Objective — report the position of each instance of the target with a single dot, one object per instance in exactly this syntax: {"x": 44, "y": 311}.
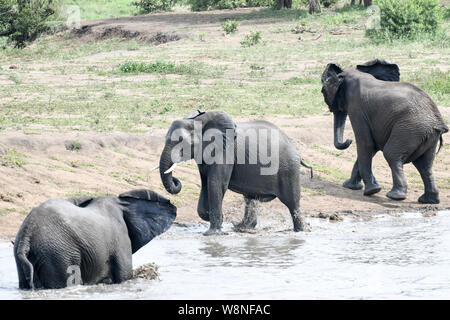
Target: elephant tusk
{"x": 155, "y": 168}
{"x": 170, "y": 169}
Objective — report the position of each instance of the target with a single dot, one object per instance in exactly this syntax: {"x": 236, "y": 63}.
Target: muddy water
{"x": 399, "y": 256}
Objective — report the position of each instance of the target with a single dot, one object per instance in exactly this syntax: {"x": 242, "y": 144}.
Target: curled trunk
{"x": 339, "y": 126}
{"x": 172, "y": 184}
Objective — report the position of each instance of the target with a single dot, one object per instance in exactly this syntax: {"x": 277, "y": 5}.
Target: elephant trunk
{"x": 172, "y": 184}
{"x": 339, "y": 126}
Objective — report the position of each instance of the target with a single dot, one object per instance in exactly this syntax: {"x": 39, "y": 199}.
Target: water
{"x": 403, "y": 256}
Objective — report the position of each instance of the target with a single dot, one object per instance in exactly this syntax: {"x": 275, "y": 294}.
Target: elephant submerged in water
{"x": 386, "y": 115}
{"x": 239, "y": 149}
{"x": 88, "y": 240}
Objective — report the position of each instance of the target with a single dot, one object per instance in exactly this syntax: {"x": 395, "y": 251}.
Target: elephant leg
{"x": 249, "y": 221}
{"x": 395, "y": 152}
{"x": 121, "y": 267}
{"x": 218, "y": 179}
{"x": 203, "y": 206}
{"x": 290, "y": 197}
{"x": 354, "y": 182}
{"x": 424, "y": 165}
{"x": 365, "y": 157}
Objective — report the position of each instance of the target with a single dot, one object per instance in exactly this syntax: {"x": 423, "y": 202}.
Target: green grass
{"x": 100, "y": 9}
{"x": 160, "y": 67}
{"x": 13, "y": 159}
{"x": 139, "y": 87}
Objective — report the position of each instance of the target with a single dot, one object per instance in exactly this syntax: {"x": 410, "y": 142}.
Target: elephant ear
{"x": 81, "y": 201}
{"x": 221, "y": 121}
{"x": 194, "y": 114}
{"x": 147, "y": 214}
{"x": 332, "y": 90}
{"x": 381, "y": 69}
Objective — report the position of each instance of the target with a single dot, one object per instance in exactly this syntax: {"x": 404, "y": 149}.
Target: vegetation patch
{"x": 159, "y": 67}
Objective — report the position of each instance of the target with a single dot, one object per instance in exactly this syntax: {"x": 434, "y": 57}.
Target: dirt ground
{"x": 61, "y": 165}
{"x": 69, "y": 164}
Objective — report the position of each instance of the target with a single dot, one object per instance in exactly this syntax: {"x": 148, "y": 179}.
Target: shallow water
{"x": 403, "y": 256}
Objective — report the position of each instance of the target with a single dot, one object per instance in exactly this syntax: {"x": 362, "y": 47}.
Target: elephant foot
{"x": 354, "y": 186}
{"x": 244, "y": 230}
{"x": 214, "y": 232}
{"x": 431, "y": 198}
{"x": 396, "y": 194}
{"x": 372, "y": 189}
{"x": 245, "y": 225}
{"x": 301, "y": 225}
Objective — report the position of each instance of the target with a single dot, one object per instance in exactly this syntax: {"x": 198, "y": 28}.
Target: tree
{"x": 23, "y": 21}
{"x": 314, "y": 6}
{"x": 284, "y": 4}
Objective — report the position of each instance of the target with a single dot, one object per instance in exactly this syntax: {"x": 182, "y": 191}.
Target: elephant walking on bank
{"x": 88, "y": 240}
{"x": 395, "y": 117}
{"x": 238, "y": 150}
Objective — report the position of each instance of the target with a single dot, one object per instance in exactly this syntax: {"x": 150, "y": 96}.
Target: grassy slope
{"x": 59, "y": 83}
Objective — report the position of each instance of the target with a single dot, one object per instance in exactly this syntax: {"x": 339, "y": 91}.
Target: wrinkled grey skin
{"x": 245, "y": 179}
{"x": 397, "y": 118}
{"x": 98, "y": 235}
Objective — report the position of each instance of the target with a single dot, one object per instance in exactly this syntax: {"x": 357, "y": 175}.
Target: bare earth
{"x": 54, "y": 164}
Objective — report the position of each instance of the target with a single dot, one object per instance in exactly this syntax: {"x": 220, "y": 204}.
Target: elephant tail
{"x": 25, "y": 267}
{"x": 307, "y": 166}
{"x": 441, "y": 143}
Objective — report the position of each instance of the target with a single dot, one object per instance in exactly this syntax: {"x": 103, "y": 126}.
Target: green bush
{"x": 230, "y": 26}
{"x": 159, "y": 67}
{"x": 149, "y": 6}
{"x": 252, "y": 39}
{"x": 203, "y": 5}
{"x": 23, "y": 21}
{"x": 407, "y": 19}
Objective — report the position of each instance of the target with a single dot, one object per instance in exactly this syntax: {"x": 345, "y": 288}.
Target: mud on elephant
{"x": 240, "y": 163}
{"x": 386, "y": 115}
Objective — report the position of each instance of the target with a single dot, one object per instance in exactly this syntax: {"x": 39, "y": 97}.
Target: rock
{"x": 322, "y": 215}
{"x": 336, "y": 217}
{"x": 431, "y": 213}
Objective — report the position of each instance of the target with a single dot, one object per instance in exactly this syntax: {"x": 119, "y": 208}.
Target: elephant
{"x": 387, "y": 115}
{"x": 86, "y": 240}
{"x": 238, "y": 172}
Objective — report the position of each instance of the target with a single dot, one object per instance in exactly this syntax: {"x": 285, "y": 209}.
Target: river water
{"x": 390, "y": 256}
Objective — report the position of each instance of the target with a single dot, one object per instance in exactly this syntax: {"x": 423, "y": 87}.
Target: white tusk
{"x": 170, "y": 169}
{"x": 153, "y": 169}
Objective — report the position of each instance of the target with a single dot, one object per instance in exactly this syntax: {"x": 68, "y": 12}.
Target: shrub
{"x": 251, "y": 39}
{"x": 230, "y": 26}
{"x": 149, "y": 6}
{"x": 23, "y": 21}
{"x": 407, "y": 19}
{"x": 202, "y": 5}
{"x": 159, "y": 67}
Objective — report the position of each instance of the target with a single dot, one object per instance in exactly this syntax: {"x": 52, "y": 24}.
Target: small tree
{"x": 23, "y": 20}
{"x": 314, "y": 6}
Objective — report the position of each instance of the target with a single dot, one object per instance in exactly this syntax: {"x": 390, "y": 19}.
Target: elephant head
{"x": 334, "y": 91}
{"x": 146, "y": 213}
{"x": 190, "y": 132}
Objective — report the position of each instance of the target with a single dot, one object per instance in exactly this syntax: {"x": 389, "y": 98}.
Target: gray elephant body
{"x": 92, "y": 236}
{"x": 243, "y": 177}
{"x": 397, "y": 118}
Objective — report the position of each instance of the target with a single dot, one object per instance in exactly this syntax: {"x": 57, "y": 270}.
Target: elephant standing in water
{"x": 88, "y": 240}
{"x": 239, "y": 166}
{"x": 398, "y": 118}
